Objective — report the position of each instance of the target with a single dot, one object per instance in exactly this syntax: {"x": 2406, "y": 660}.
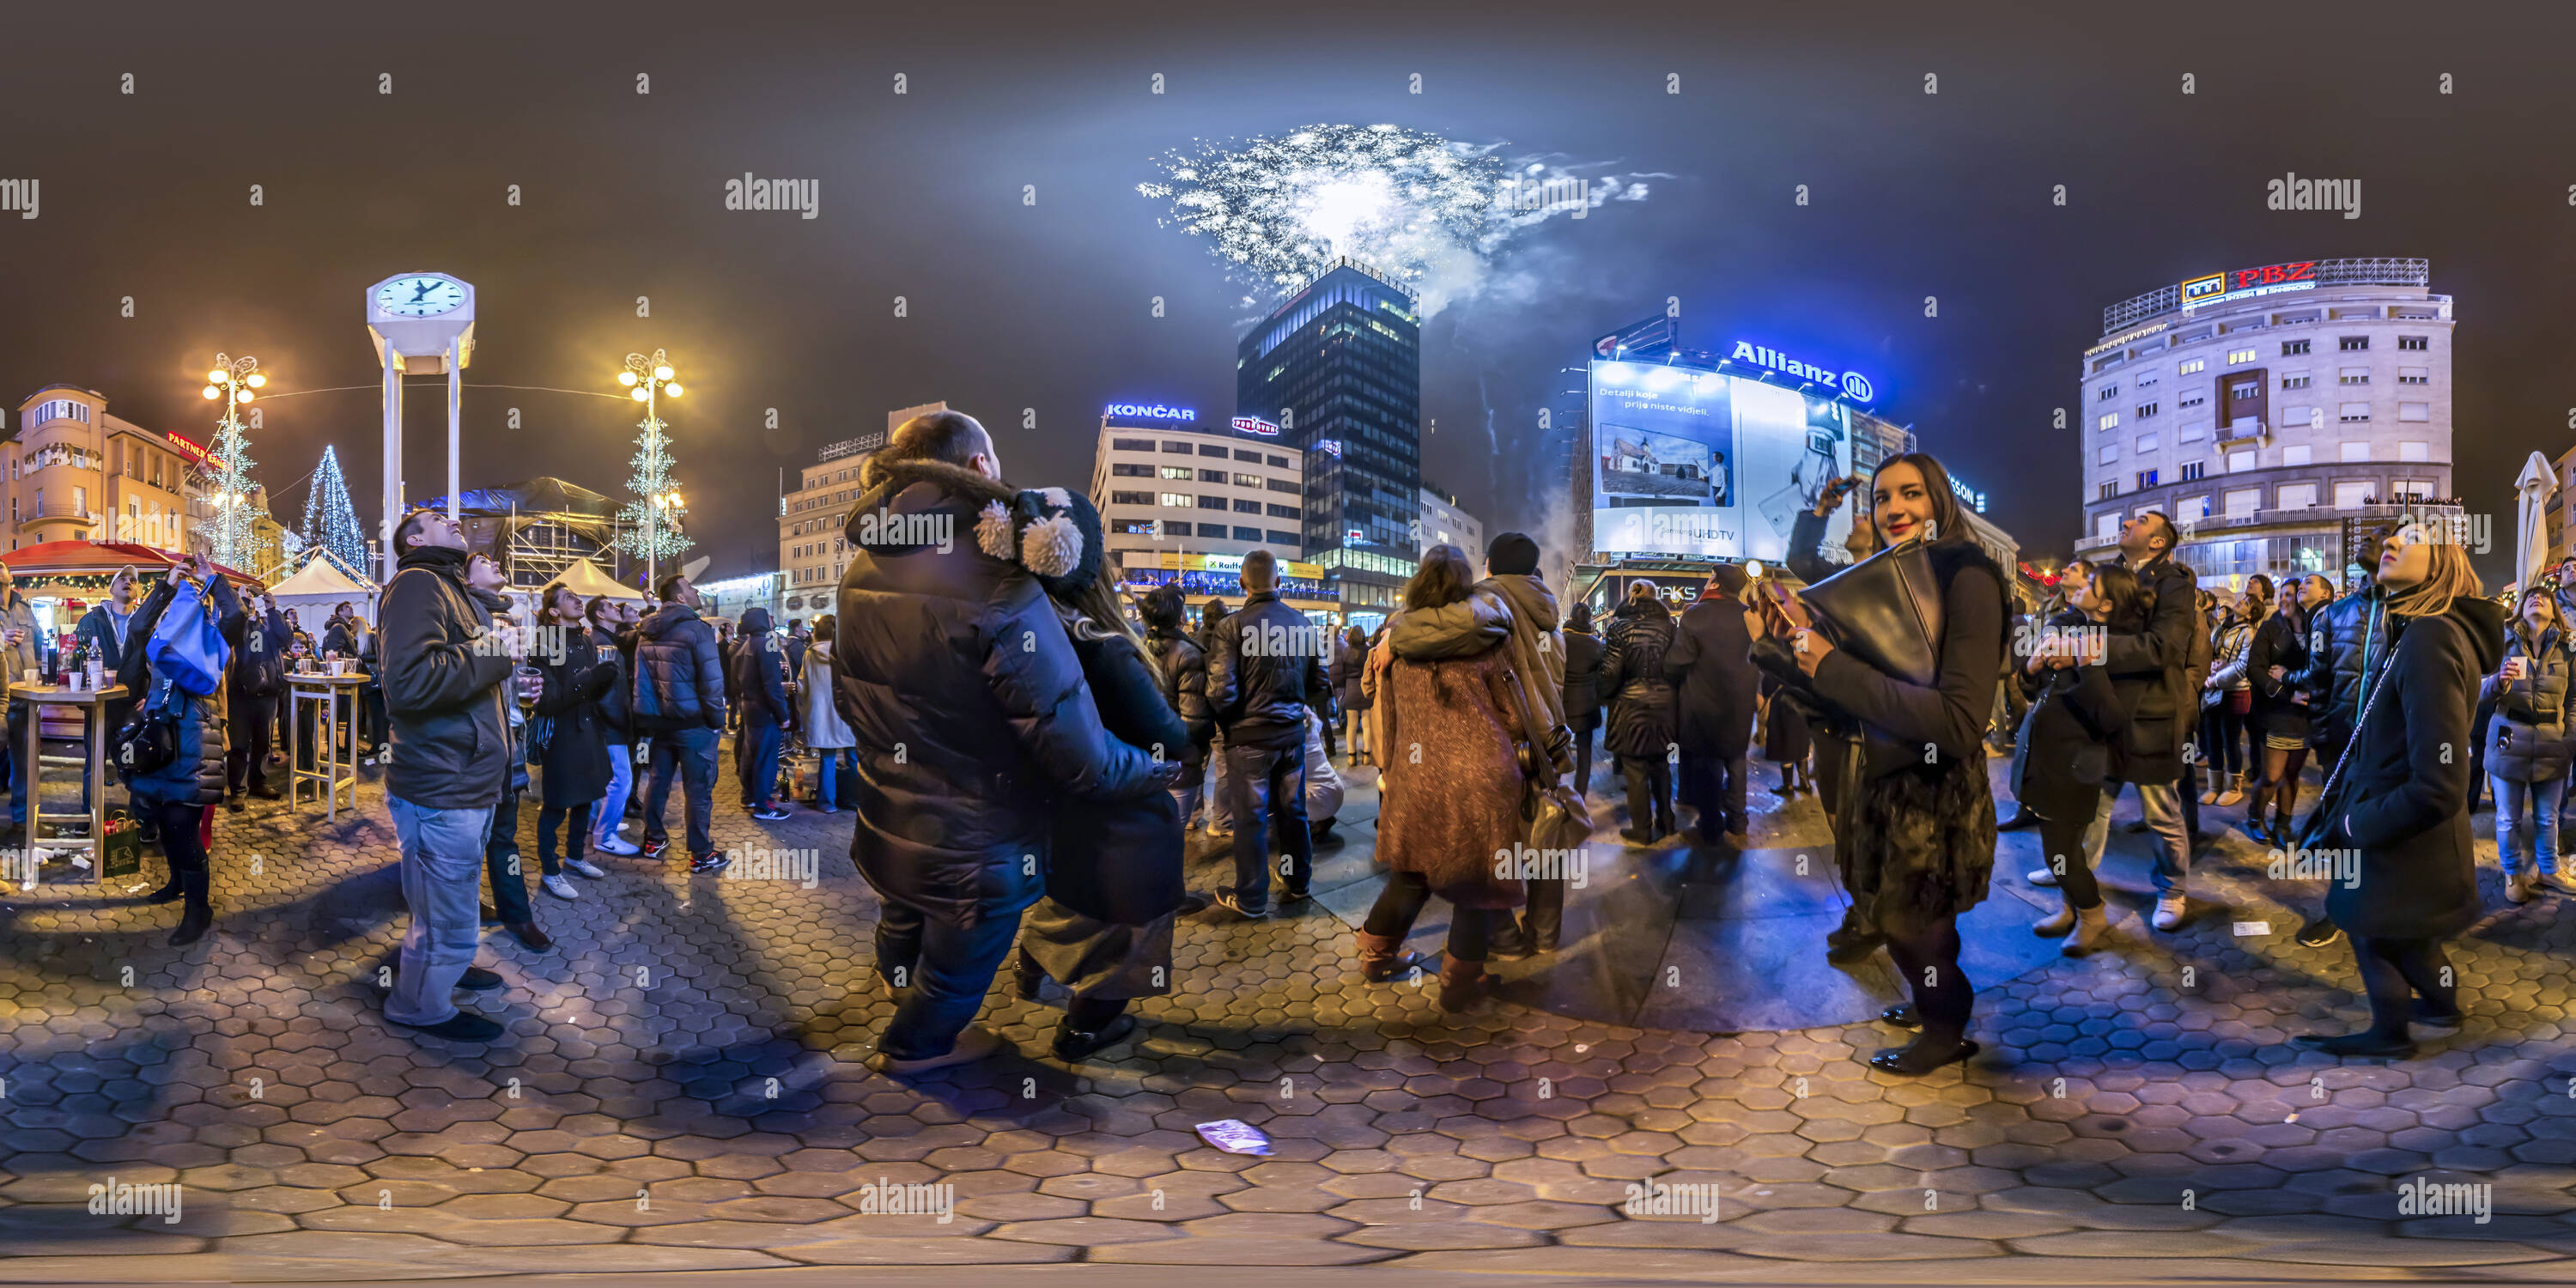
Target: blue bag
{"x": 187, "y": 648}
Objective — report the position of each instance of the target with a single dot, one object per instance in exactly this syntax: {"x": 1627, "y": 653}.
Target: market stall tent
{"x": 586, "y": 580}
{"x": 319, "y": 587}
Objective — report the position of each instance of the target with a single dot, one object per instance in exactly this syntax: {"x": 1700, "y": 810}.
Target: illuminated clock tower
{"x": 422, "y": 324}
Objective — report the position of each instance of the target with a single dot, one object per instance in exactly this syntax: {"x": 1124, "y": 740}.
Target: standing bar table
{"x": 335, "y": 760}
{"x": 92, "y": 704}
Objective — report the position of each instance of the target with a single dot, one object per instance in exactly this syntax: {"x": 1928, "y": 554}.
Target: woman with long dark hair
{"x": 1350, "y": 663}
{"x": 2402, "y": 797}
{"x": 1918, "y": 832}
{"x": 1451, "y": 814}
{"x": 2073, "y": 724}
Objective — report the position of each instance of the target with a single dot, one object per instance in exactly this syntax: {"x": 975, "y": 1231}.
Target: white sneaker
{"x": 2169, "y": 910}
{"x": 585, "y": 867}
{"x": 560, "y": 887}
{"x": 2043, "y": 877}
{"x": 613, "y": 845}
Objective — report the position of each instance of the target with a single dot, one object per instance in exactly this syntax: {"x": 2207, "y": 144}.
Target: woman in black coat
{"x": 2067, "y": 737}
{"x": 1714, "y": 684}
{"x": 1918, "y": 833}
{"x": 1583, "y": 692}
{"x": 1641, "y": 731}
{"x": 2278, "y": 722}
{"x": 575, "y": 762}
{"x": 1113, "y": 886}
{"x": 2402, "y": 798}
{"x": 176, "y": 797}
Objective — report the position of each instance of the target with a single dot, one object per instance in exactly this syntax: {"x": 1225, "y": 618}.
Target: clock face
{"x": 424, "y": 296}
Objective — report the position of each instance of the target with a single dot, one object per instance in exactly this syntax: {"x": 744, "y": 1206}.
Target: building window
{"x": 2414, "y": 376}
{"x": 2193, "y": 509}
{"x": 2299, "y": 455}
{"x": 2357, "y": 451}
{"x": 1242, "y": 506}
{"x": 1247, "y": 534}
{"x": 2109, "y": 420}
{"x": 1248, "y": 458}
{"x": 2147, "y": 409}
{"x": 1212, "y": 503}
{"x": 2240, "y": 460}
{"x": 2296, "y": 496}
{"x": 2239, "y": 357}
{"x": 2188, "y": 401}
{"x": 1275, "y": 462}
{"x": 2244, "y": 500}
{"x": 2193, "y": 367}
{"x": 2293, "y": 348}
{"x": 1217, "y": 450}
{"x": 2354, "y": 344}
{"x": 1247, "y": 480}
{"x": 2245, "y": 391}
{"x": 2146, "y": 443}
{"x": 1288, "y": 486}
{"x": 1212, "y": 476}
{"x": 2108, "y": 454}
{"x": 1180, "y": 473}
{"x": 2192, "y": 470}
{"x": 2301, "y": 416}
{"x": 1278, "y": 538}
{"x": 2349, "y": 413}
{"x": 1171, "y": 448}
{"x": 2106, "y": 526}
{"x": 2416, "y": 342}
{"x": 2109, "y": 488}
{"x": 2295, "y": 380}
{"x": 2146, "y": 479}
{"x": 2414, "y": 451}
{"x": 1285, "y": 512}
{"x": 1177, "y": 501}
{"x": 2352, "y": 376}
{"x": 1131, "y": 444}
{"x": 1130, "y": 470}
{"x": 2107, "y": 393}
{"x": 2414, "y": 411}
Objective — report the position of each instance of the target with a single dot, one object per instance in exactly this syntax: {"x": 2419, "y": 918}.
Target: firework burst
{"x": 1427, "y": 209}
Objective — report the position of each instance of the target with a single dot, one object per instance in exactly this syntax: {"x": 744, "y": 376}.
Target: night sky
{"x": 1049, "y": 306}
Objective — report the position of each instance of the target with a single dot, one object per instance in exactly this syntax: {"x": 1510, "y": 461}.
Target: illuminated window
{"x": 2192, "y": 367}
{"x": 2239, "y": 357}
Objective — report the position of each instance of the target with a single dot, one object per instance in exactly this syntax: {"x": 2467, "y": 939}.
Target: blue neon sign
{"x": 1854, "y": 385}
{"x": 1153, "y": 411}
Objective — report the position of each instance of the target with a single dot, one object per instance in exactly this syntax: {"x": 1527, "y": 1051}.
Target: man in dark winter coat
{"x": 1184, "y": 671}
{"x": 258, "y": 673}
{"x": 972, "y": 719}
{"x": 1264, "y": 661}
{"x": 760, "y": 676}
{"x": 678, "y": 696}
{"x": 2150, "y": 670}
{"x": 446, "y": 677}
{"x": 1641, "y": 731}
{"x": 1715, "y": 683}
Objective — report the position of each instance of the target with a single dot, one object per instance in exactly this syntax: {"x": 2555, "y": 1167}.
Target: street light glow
{"x": 626, "y": 377}
{"x": 663, "y": 373}
{"x": 672, "y": 389}
{"x": 212, "y": 392}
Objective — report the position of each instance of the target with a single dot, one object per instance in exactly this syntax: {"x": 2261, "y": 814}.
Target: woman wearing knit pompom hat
{"x": 1104, "y": 929}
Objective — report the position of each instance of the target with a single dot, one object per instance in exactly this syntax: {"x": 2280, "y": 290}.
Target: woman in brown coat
{"x": 1449, "y": 819}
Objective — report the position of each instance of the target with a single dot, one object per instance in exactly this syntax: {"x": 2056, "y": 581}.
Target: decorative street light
{"x": 649, "y": 380}
{"x": 232, "y": 381}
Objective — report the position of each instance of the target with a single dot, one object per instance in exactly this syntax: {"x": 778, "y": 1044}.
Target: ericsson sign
{"x": 1853, "y": 384}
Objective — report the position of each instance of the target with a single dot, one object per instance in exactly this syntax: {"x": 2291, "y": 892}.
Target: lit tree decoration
{"x": 232, "y": 380}
{"x": 329, "y": 499}
{"x": 652, "y": 519}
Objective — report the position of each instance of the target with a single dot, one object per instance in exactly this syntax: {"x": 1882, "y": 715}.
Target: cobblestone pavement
{"x": 679, "y": 1091}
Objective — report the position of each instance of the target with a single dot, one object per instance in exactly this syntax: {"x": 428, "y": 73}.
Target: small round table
{"x": 335, "y": 760}
{"x": 92, "y": 704}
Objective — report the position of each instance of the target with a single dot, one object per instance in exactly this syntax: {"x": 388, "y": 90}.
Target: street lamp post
{"x": 232, "y": 380}
{"x": 648, "y": 380}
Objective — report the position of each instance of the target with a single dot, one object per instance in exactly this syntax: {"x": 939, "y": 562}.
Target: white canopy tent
{"x": 320, "y": 586}
{"x": 587, "y": 581}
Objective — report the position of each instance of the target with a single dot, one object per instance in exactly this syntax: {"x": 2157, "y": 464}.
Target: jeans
{"x": 611, "y": 808}
{"x": 2162, "y": 804}
{"x": 761, "y": 739}
{"x": 1650, "y": 792}
{"x": 691, "y": 752}
{"x": 827, "y": 774}
{"x": 949, "y": 968}
{"x": 442, "y": 850}
{"x": 1267, "y": 785}
{"x": 2514, "y": 828}
{"x": 503, "y": 863}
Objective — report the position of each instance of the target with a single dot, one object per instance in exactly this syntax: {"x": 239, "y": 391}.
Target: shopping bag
{"x": 120, "y": 852}
{"x": 186, "y": 647}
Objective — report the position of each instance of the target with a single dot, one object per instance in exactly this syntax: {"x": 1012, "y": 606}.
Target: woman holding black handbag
{"x": 2069, "y": 734}
{"x": 2401, "y": 797}
{"x": 574, "y": 760}
{"x": 176, "y": 795}
{"x": 1919, "y": 817}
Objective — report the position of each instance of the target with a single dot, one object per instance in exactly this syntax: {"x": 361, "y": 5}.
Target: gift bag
{"x": 120, "y": 852}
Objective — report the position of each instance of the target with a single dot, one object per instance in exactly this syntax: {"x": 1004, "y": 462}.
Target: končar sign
{"x": 1153, "y": 411}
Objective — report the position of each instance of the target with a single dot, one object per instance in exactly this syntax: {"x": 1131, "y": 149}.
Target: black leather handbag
{"x": 1886, "y": 609}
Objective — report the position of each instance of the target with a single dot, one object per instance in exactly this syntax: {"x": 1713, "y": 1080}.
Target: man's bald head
{"x": 952, "y": 437}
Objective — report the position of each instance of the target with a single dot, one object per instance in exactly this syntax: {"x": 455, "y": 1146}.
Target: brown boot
{"x": 2058, "y": 924}
{"x": 1382, "y": 958}
{"x": 2090, "y": 925}
{"x": 1463, "y": 984}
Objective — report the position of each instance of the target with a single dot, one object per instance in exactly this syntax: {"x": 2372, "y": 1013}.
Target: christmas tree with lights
{"x": 651, "y": 521}
{"x": 234, "y": 544}
{"x": 328, "y": 500}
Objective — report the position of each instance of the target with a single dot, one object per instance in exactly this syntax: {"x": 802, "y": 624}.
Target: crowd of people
{"x": 1029, "y": 748}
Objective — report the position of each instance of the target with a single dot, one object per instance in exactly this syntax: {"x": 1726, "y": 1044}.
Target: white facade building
{"x": 1174, "y": 486}
{"x": 812, "y": 552}
{"x": 2260, "y": 408}
{"x": 1444, "y": 524}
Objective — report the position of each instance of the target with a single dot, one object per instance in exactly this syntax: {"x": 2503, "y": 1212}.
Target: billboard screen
{"x": 1690, "y": 462}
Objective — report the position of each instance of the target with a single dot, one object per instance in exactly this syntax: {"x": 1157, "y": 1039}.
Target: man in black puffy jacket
{"x": 760, "y": 677}
{"x": 258, "y": 673}
{"x": 1264, "y": 661}
{"x": 679, "y": 702}
{"x": 972, "y": 720}
{"x": 1184, "y": 671}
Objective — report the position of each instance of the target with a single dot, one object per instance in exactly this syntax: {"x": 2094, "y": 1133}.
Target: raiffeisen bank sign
{"x": 1853, "y": 384}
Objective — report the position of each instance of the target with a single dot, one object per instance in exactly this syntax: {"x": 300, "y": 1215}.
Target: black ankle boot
{"x": 168, "y": 892}
{"x": 197, "y": 917}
